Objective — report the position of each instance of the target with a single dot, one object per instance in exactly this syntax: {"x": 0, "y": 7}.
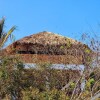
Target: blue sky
{"x": 70, "y": 18}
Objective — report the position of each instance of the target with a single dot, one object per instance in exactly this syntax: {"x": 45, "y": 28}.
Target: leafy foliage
{"x": 3, "y": 35}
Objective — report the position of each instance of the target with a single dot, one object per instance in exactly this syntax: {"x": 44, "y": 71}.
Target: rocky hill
{"x": 47, "y": 46}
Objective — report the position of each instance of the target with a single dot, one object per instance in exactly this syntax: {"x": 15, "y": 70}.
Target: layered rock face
{"x": 46, "y": 45}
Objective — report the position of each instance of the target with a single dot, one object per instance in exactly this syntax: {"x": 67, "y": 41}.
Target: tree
{"x": 4, "y": 35}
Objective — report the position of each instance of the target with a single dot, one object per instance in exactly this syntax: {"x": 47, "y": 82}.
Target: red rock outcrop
{"x": 47, "y": 46}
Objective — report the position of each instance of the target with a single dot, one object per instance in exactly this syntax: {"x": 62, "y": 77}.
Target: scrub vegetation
{"x": 44, "y": 82}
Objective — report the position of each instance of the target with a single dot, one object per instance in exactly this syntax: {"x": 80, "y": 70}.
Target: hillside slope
{"x": 45, "y": 46}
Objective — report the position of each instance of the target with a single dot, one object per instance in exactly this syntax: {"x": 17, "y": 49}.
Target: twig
{"x": 75, "y": 88}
